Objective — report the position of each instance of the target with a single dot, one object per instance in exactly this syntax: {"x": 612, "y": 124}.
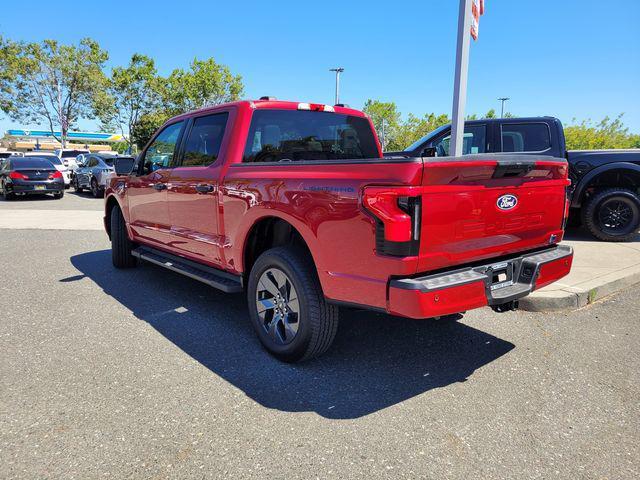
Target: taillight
{"x": 55, "y": 174}
{"x": 397, "y": 215}
{"x": 567, "y": 206}
{"x": 18, "y": 176}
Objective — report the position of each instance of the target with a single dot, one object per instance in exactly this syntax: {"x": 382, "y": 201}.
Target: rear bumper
{"x": 473, "y": 287}
{"x": 34, "y": 187}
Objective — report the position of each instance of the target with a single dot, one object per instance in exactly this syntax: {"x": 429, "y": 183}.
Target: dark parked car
{"x": 29, "y": 176}
{"x": 93, "y": 173}
{"x": 605, "y": 183}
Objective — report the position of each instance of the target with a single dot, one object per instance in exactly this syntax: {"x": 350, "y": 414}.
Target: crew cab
{"x": 295, "y": 205}
{"x": 605, "y": 183}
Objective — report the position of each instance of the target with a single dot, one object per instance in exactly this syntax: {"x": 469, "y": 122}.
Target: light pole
{"x": 338, "y": 71}
{"x": 503, "y": 99}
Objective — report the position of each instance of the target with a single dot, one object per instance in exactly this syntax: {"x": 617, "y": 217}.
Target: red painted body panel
{"x": 460, "y": 221}
{"x": 414, "y": 304}
{"x": 553, "y": 271}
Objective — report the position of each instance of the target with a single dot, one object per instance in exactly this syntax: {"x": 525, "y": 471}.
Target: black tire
{"x": 58, "y": 195}
{"x": 121, "y": 246}
{"x": 6, "y": 195}
{"x": 612, "y": 215}
{"x": 96, "y": 191}
{"x": 317, "y": 321}
{"x": 76, "y": 185}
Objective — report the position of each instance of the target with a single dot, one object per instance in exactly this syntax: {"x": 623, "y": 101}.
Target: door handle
{"x": 160, "y": 186}
{"x": 204, "y": 188}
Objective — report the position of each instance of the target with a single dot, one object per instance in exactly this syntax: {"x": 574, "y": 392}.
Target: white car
{"x": 68, "y": 156}
{"x": 57, "y": 163}
{"x": 10, "y": 153}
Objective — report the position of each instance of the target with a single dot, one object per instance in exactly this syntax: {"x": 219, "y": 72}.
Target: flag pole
{"x": 460, "y": 80}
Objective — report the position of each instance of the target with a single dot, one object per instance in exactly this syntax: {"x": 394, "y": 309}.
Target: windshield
{"x": 31, "y": 162}
{"x": 293, "y": 135}
{"x": 426, "y": 138}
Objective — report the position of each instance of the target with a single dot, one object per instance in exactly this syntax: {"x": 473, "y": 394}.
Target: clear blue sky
{"x": 567, "y": 58}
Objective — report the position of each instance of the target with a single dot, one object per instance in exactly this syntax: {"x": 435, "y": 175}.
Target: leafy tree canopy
{"x": 50, "y": 82}
{"x": 132, "y": 92}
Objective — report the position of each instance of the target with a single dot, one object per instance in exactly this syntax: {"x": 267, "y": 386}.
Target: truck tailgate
{"x": 481, "y": 206}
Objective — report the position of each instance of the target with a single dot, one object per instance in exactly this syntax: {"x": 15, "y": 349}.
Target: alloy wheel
{"x": 615, "y": 216}
{"x": 278, "y": 306}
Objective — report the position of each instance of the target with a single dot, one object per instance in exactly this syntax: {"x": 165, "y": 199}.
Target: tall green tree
{"x": 54, "y": 83}
{"x": 133, "y": 91}
{"x": 386, "y": 120}
{"x": 415, "y": 128}
{"x": 147, "y": 124}
{"x": 206, "y": 83}
{"x": 9, "y": 54}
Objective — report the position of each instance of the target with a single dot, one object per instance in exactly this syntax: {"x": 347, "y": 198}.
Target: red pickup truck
{"x": 295, "y": 204}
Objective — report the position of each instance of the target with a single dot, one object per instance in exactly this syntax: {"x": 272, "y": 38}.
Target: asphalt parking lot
{"x": 147, "y": 374}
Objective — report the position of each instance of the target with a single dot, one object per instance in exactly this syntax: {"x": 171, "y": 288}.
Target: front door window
{"x": 161, "y": 151}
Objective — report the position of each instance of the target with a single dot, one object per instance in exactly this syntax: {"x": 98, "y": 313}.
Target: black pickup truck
{"x": 605, "y": 183}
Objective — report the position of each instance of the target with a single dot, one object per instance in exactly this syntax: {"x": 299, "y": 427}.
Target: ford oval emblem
{"x": 507, "y": 202}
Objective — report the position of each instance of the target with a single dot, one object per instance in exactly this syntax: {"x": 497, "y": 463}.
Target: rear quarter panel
{"x": 322, "y": 202}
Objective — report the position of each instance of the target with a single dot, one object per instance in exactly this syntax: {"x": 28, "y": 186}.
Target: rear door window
{"x": 525, "y": 137}
{"x": 204, "y": 140}
{"x": 474, "y": 141}
{"x": 294, "y": 135}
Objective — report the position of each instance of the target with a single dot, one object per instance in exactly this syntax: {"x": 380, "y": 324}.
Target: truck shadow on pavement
{"x": 376, "y": 361}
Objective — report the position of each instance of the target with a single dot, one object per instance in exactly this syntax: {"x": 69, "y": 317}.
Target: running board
{"x": 213, "y": 277}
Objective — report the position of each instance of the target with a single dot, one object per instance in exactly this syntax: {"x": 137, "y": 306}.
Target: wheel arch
{"x": 605, "y": 176}
{"x": 110, "y": 203}
{"x": 267, "y": 232}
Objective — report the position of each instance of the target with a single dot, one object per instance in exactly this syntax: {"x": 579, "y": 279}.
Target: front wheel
{"x": 613, "y": 215}
{"x": 76, "y": 185}
{"x": 288, "y": 310}
{"x": 121, "y": 246}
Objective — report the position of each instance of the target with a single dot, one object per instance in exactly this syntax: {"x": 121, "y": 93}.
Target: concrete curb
{"x": 564, "y": 297}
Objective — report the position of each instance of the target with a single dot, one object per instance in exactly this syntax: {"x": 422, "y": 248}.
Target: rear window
{"x": 31, "y": 162}
{"x": 294, "y": 135}
{"x": 525, "y": 137}
{"x": 72, "y": 153}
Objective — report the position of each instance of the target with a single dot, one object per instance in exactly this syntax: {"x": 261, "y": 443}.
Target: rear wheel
{"x": 95, "y": 189}
{"x": 288, "y": 310}
{"x": 613, "y": 215}
{"x": 121, "y": 246}
{"x": 58, "y": 195}
{"x": 6, "y": 195}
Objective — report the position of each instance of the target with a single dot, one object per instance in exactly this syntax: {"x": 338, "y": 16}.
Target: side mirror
{"x": 430, "y": 152}
{"x": 123, "y": 165}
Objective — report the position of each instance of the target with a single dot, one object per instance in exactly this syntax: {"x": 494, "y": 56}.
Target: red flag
{"x": 477, "y": 9}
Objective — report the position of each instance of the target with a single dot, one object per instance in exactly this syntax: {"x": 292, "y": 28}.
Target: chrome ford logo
{"x": 507, "y": 202}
